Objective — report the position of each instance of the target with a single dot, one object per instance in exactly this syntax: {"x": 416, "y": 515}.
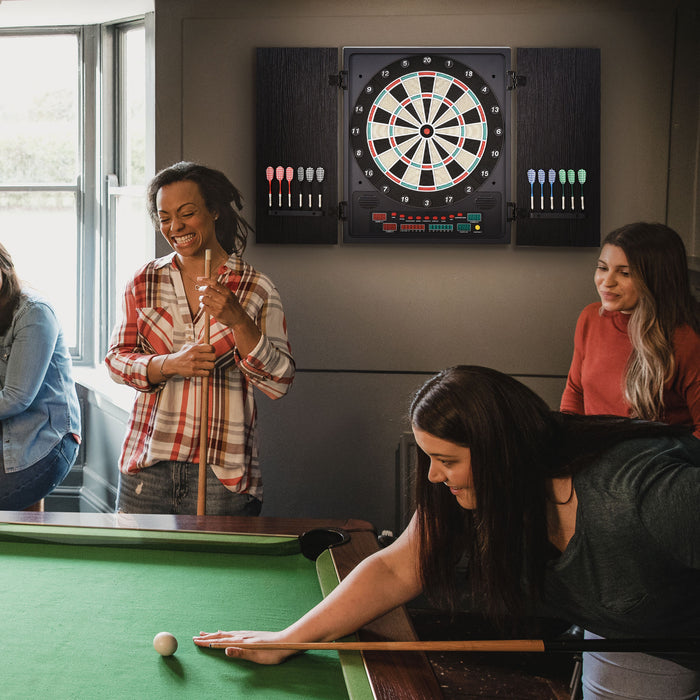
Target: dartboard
{"x": 426, "y": 130}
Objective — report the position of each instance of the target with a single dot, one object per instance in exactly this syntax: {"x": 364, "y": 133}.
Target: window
{"x": 129, "y": 233}
{"x": 73, "y": 169}
{"x": 41, "y": 166}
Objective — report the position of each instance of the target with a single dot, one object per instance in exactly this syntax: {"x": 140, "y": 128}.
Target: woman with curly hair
{"x": 158, "y": 349}
{"x": 637, "y": 351}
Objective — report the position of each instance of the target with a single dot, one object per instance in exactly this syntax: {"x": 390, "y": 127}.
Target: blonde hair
{"x": 658, "y": 266}
{"x": 651, "y": 363}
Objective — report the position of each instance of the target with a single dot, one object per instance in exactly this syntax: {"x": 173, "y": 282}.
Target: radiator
{"x": 405, "y": 472}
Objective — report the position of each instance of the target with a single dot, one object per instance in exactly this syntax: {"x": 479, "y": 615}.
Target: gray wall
{"x": 368, "y": 323}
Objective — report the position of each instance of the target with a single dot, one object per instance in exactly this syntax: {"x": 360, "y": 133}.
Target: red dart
{"x": 289, "y": 174}
{"x": 269, "y": 174}
{"x": 279, "y": 174}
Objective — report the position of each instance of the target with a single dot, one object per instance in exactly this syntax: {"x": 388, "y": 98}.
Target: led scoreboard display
{"x": 427, "y": 145}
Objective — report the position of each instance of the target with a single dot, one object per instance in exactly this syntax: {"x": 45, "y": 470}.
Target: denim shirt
{"x": 38, "y": 401}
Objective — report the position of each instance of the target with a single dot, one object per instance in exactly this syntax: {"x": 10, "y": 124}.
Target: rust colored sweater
{"x": 601, "y": 349}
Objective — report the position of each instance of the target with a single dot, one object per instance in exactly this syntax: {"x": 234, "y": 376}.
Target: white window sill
{"x": 108, "y": 395}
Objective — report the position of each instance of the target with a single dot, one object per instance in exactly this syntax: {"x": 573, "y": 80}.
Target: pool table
{"x": 82, "y": 596}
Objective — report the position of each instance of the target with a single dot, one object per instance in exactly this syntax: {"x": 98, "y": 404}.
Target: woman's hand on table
{"x": 264, "y": 656}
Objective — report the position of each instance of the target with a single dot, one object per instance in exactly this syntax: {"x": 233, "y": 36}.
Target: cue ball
{"x": 165, "y": 644}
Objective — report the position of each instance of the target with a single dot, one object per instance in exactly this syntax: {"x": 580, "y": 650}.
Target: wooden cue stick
{"x": 204, "y": 414}
{"x": 688, "y": 644}
{"x": 484, "y": 645}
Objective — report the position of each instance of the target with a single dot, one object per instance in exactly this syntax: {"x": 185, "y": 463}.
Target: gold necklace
{"x": 193, "y": 280}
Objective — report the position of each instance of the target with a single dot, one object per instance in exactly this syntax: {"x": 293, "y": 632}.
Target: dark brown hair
{"x": 9, "y": 290}
{"x": 218, "y": 193}
{"x": 516, "y": 443}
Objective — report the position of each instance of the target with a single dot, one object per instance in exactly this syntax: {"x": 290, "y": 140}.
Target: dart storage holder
{"x": 427, "y": 145}
{"x": 558, "y": 147}
{"x": 297, "y": 128}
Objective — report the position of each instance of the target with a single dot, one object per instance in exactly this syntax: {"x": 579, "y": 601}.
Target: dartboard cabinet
{"x": 426, "y": 140}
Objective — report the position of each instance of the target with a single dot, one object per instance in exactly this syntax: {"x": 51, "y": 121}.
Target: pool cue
{"x": 204, "y": 414}
{"x": 688, "y": 644}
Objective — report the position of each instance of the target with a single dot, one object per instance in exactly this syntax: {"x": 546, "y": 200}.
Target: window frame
{"x": 113, "y": 154}
{"x": 83, "y": 188}
{"x": 100, "y": 149}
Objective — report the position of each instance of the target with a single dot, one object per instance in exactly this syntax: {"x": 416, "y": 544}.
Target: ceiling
{"x": 49, "y": 13}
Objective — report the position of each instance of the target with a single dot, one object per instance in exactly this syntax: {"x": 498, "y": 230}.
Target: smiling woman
{"x": 637, "y": 351}
{"x": 450, "y": 464}
{"x": 181, "y": 329}
{"x": 627, "y": 567}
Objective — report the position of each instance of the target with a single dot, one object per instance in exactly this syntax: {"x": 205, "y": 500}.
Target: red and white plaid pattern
{"x": 164, "y": 422}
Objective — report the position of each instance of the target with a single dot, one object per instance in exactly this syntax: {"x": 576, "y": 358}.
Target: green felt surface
{"x": 78, "y": 621}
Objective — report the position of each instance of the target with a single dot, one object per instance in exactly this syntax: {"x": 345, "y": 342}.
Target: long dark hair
{"x": 218, "y": 192}
{"x": 516, "y": 443}
{"x": 10, "y": 289}
{"x": 658, "y": 265}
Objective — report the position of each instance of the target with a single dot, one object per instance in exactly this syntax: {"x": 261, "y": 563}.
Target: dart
{"x": 310, "y": 179}
{"x": 300, "y": 177}
{"x": 320, "y": 173}
{"x": 269, "y": 174}
{"x": 289, "y": 175}
{"x": 552, "y": 176}
{"x": 572, "y": 179}
{"x": 531, "y": 180}
{"x": 279, "y": 173}
{"x": 540, "y": 179}
{"x": 581, "y": 180}
{"x": 562, "y": 181}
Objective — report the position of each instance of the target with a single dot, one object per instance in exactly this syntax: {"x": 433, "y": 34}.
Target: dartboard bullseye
{"x": 426, "y": 131}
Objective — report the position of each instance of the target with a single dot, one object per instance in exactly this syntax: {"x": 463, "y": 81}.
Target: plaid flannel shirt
{"x": 164, "y": 422}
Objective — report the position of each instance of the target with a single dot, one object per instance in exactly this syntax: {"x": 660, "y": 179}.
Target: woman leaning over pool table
{"x": 597, "y": 515}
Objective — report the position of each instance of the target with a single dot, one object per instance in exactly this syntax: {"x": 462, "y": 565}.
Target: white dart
{"x": 310, "y": 179}
{"x": 320, "y": 173}
{"x": 300, "y": 177}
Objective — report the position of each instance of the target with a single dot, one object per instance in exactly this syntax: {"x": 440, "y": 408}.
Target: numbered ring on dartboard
{"x": 427, "y": 128}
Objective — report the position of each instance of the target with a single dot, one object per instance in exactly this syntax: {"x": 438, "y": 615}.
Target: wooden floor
{"x": 525, "y": 676}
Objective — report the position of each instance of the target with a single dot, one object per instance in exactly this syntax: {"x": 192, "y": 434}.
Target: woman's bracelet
{"x": 162, "y": 362}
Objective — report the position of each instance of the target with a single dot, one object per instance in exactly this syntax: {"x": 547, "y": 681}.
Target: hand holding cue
{"x": 204, "y": 414}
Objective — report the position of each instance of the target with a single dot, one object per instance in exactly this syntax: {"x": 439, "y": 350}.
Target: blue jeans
{"x": 610, "y": 675}
{"x": 171, "y": 488}
{"x": 21, "y": 489}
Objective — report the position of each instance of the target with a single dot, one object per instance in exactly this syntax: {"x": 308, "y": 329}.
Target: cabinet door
{"x": 296, "y": 145}
{"x": 558, "y": 147}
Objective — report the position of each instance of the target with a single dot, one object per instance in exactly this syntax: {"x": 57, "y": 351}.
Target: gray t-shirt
{"x": 632, "y": 568}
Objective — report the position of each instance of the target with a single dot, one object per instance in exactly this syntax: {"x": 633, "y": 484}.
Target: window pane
{"x": 39, "y": 230}
{"x": 134, "y": 107}
{"x": 39, "y": 129}
{"x": 134, "y": 239}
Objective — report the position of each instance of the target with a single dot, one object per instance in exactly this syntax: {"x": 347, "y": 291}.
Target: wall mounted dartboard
{"x": 427, "y": 144}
